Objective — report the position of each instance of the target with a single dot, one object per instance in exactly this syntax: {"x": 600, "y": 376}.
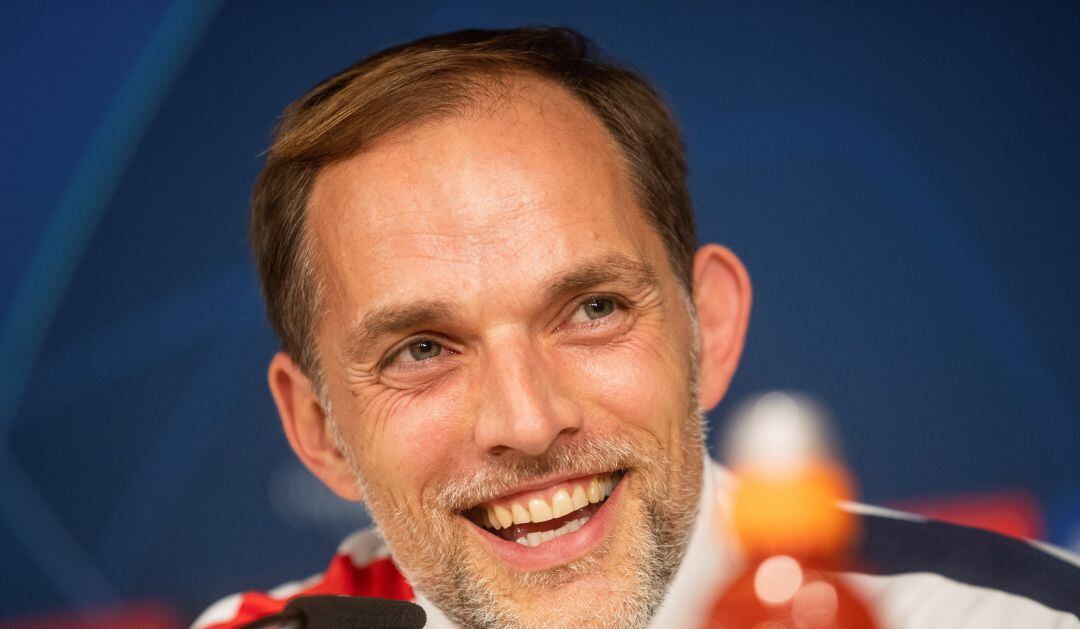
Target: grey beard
{"x": 455, "y": 583}
{"x": 446, "y": 574}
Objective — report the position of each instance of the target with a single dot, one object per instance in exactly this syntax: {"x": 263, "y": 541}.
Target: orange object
{"x": 792, "y": 596}
{"x": 788, "y": 524}
{"x": 786, "y": 519}
{"x": 793, "y": 513}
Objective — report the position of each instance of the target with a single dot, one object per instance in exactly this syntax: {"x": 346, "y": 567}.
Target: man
{"x": 478, "y": 250}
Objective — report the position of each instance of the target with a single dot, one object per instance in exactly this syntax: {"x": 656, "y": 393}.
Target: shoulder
{"x": 933, "y": 574}
{"x": 361, "y": 566}
{"x": 923, "y": 573}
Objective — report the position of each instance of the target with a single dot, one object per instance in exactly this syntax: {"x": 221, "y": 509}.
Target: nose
{"x": 521, "y": 405}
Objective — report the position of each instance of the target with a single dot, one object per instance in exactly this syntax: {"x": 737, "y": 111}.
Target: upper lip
{"x": 541, "y": 484}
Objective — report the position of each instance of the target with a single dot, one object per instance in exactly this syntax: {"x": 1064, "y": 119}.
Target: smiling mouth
{"x": 536, "y": 517}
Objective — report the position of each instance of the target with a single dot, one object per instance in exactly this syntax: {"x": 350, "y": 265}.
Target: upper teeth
{"x": 556, "y": 503}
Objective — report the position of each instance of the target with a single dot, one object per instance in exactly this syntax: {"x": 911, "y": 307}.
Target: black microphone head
{"x": 348, "y": 612}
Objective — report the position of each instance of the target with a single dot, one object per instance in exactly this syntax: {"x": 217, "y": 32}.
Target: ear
{"x": 722, "y": 296}
{"x": 306, "y": 427}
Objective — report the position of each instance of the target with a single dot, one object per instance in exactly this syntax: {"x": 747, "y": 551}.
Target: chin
{"x": 610, "y": 565}
{"x": 611, "y": 594}
{"x": 619, "y": 582}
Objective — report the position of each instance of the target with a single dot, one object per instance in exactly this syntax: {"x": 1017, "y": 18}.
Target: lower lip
{"x": 562, "y": 549}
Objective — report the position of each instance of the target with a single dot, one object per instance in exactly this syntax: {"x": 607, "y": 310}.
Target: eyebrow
{"x": 612, "y": 268}
{"x": 394, "y": 319}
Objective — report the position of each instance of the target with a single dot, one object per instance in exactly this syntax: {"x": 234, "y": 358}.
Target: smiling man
{"x": 478, "y": 250}
{"x": 508, "y": 356}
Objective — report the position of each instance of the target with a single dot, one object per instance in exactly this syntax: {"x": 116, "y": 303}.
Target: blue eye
{"x": 424, "y": 350}
{"x": 597, "y": 307}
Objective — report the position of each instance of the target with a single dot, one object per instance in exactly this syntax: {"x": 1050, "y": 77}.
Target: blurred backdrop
{"x": 900, "y": 180}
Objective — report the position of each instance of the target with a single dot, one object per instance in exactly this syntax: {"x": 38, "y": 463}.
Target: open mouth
{"x": 536, "y": 517}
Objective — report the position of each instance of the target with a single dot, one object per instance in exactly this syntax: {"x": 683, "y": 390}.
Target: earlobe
{"x": 306, "y": 428}
{"x": 722, "y": 296}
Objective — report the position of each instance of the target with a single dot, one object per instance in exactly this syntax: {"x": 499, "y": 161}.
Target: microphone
{"x": 344, "y": 612}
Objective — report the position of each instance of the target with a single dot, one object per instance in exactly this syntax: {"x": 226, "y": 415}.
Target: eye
{"x": 418, "y": 351}
{"x": 594, "y": 308}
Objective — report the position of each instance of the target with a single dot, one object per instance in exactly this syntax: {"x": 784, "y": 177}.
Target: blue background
{"x": 900, "y": 180}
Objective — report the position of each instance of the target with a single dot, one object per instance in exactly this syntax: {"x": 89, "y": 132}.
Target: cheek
{"x": 637, "y": 380}
{"x": 412, "y": 439}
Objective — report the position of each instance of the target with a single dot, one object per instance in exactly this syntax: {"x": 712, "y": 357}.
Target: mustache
{"x": 582, "y": 457}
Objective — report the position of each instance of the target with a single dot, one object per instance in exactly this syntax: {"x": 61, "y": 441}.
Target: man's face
{"x": 504, "y": 343}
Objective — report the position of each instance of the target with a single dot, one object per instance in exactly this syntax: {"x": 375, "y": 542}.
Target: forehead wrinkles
{"x": 456, "y": 185}
{"x": 449, "y": 155}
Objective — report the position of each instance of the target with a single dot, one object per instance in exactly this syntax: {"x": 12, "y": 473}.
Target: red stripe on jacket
{"x": 380, "y": 578}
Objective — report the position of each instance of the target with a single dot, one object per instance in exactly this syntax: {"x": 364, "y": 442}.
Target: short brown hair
{"x": 441, "y": 76}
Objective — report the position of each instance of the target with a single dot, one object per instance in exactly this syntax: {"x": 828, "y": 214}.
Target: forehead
{"x": 494, "y": 199}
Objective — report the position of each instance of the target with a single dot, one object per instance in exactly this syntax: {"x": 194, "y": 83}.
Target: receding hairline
{"x": 443, "y": 75}
{"x": 497, "y": 92}
{"x": 504, "y": 90}
{"x": 487, "y": 88}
